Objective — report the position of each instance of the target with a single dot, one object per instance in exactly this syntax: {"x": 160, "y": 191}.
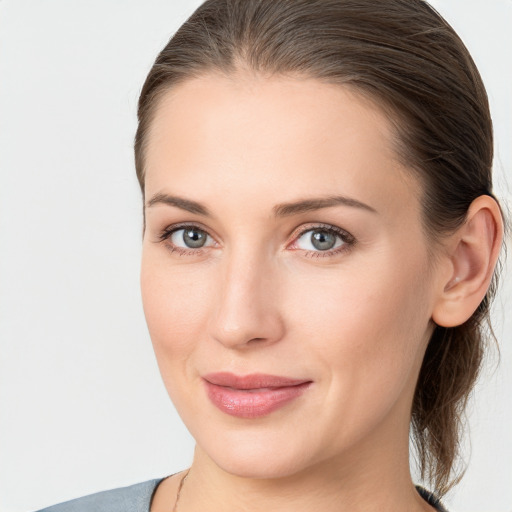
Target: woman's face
{"x": 283, "y": 239}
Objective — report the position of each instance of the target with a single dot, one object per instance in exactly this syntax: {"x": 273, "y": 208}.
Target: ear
{"x": 472, "y": 255}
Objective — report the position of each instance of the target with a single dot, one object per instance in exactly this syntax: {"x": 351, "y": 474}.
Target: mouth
{"x": 252, "y": 396}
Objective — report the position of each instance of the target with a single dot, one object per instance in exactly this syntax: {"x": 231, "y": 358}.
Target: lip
{"x": 254, "y": 395}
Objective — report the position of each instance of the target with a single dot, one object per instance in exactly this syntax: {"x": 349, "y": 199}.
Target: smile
{"x": 252, "y": 396}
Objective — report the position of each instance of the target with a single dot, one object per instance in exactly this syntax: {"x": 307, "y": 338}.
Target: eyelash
{"x": 347, "y": 239}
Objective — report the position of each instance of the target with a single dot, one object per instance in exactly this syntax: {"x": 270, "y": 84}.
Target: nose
{"x": 247, "y": 310}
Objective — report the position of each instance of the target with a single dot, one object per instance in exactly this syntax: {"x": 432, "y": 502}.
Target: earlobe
{"x": 473, "y": 254}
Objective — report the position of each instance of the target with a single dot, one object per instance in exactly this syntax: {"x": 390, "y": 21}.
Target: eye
{"x": 324, "y": 239}
{"x": 191, "y": 238}
{"x": 186, "y": 239}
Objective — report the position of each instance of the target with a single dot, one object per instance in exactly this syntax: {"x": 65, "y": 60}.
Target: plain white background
{"x": 82, "y": 405}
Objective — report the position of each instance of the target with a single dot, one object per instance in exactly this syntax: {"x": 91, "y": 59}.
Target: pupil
{"x": 194, "y": 238}
{"x": 323, "y": 240}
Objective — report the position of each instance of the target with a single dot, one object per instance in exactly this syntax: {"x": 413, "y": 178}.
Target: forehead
{"x": 218, "y": 134}
{"x": 256, "y": 110}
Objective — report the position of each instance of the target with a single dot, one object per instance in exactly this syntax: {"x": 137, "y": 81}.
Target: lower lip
{"x": 252, "y": 403}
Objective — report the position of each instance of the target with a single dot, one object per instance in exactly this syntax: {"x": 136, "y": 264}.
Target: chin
{"x": 257, "y": 456}
{"x": 260, "y": 467}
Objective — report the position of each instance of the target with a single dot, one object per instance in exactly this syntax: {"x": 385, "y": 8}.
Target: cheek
{"x": 176, "y": 305}
{"x": 367, "y": 322}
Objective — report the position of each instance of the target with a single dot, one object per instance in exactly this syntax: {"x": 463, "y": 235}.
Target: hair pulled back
{"x": 405, "y": 56}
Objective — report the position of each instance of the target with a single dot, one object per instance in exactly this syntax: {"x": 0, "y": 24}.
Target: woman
{"x": 319, "y": 253}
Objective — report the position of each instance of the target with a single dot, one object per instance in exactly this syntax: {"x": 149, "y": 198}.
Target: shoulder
{"x": 133, "y": 498}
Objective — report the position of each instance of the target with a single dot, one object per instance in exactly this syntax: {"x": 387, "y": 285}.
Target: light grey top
{"x": 134, "y": 498}
{"x": 137, "y": 498}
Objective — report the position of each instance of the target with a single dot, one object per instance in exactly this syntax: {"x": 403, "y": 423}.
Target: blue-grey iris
{"x": 194, "y": 238}
{"x": 323, "y": 240}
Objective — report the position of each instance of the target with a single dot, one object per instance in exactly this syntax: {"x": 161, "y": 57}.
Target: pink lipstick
{"x": 252, "y": 396}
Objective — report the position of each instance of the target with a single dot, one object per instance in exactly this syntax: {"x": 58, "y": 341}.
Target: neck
{"x": 352, "y": 483}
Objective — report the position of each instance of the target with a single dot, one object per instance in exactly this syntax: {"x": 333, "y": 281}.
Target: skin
{"x": 259, "y": 298}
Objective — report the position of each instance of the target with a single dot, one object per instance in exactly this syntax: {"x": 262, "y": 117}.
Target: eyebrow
{"x": 280, "y": 210}
{"x": 306, "y": 205}
{"x": 179, "y": 202}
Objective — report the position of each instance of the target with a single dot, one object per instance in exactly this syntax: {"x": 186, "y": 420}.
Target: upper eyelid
{"x": 342, "y": 233}
{"x": 171, "y": 228}
{"x": 316, "y": 226}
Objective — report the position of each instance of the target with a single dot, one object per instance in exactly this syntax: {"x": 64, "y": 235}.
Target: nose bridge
{"x": 247, "y": 308}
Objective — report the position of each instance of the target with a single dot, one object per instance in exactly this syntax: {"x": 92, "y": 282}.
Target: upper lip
{"x": 252, "y": 381}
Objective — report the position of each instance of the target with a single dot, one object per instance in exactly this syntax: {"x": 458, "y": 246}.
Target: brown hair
{"x": 405, "y": 56}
